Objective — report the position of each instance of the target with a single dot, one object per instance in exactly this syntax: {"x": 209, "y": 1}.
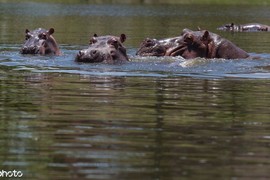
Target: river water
{"x": 151, "y": 118}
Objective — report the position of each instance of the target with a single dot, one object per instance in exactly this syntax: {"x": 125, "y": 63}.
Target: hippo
{"x": 252, "y": 27}
{"x": 209, "y": 45}
{"x": 163, "y": 47}
{"x": 107, "y": 49}
{"x": 192, "y": 44}
{"x": 187, "y": 45}
{"x": 40, "y": 41}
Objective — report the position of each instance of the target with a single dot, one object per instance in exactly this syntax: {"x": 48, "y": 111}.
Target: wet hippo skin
{"x": 154, "y": 47}
{"x": 211, "y": 45}
{"x": 251, "y": 27}
{"x": 40, "y": 41}
{"x": 108, "y": 49}
{"x": 192, "y": 44}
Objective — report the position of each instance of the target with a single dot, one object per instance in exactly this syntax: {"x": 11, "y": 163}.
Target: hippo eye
{"x": 114, "y": 43}
{"x": 149, "y": 43}
{"x": 42, "y": 36}
{"x": 189, "y": 39}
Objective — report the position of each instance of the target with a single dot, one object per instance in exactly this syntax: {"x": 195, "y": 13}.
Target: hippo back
{"x": 251, "y": 27}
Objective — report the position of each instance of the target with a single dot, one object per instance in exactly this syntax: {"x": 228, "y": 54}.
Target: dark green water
{"x": 152, "y": 118}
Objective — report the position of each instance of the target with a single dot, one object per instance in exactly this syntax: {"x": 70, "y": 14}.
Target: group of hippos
{"x": 109, "y": 49}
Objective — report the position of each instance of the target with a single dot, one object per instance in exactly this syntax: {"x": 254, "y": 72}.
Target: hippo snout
{"x": 29, "y": 49}
{"x": 87, "y": 55}
{"x": 80, "y": 55}
{"x": 91, "y": 54}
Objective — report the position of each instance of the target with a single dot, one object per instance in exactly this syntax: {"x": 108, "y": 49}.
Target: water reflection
{"x": 72, "y": 126}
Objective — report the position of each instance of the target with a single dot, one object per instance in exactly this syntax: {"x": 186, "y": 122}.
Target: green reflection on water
{"x": 117, "y": 127}
{"x": 148, "y": 1}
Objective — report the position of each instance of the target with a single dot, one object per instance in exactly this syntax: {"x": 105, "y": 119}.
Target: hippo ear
{"x": 27, "y": 34}
{"x": 51, "y": 31}
{"x": 206, "y": 35}
{"x": 93, "y": 40}
{"x": 95, "y": 35}
{"x": 123, "y": 38}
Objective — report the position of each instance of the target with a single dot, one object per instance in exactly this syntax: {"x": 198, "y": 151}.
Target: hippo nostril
{"x": 93, "y": 52}
{"x": 80, "y": 53}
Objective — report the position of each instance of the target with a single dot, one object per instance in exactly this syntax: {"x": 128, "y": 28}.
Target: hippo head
{"x": 151, "y": 47}
{"x": 104, "y": 49}
{"x": 227, "y": 27}
{"x": 210, "y": 45}
{"x": 193, "y": 44}
{"x": 40, "y": 41}
{"x": 188, "y": 45}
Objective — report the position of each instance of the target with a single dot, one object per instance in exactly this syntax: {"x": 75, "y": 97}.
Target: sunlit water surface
{"x": 150, "y": 118}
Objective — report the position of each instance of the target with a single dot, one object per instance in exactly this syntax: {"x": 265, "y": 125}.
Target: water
{"x": 151, "y": 118}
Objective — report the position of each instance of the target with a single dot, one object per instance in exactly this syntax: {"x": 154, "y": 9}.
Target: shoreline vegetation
{"x": 154, "y": 2}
